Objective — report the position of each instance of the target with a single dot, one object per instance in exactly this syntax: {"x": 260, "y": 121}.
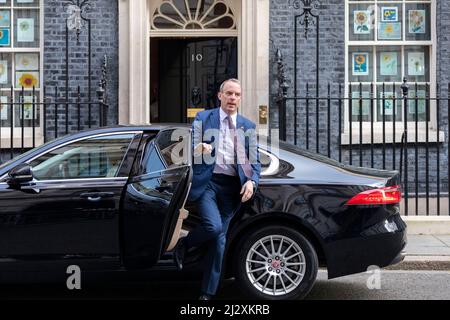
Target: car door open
{"x": 152, "y": 209}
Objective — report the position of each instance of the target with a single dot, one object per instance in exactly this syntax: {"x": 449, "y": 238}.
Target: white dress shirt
{"x": 225, "y": 152}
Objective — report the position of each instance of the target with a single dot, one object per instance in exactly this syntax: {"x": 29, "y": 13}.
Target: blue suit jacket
{"x": 202, "y": 169}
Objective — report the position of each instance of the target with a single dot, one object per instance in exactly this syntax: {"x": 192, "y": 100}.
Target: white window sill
{"x": 378, "y": 136}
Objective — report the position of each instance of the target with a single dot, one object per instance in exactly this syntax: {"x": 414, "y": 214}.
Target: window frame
{"x": 377, "y": 44}
{"x": 17, "y": 130}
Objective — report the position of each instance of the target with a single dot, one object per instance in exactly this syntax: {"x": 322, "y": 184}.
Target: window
{"x": 385, "y": 42}
{"x": 195, "y": 15}
{"x": 98, "y": 157}
{"x": 20, "y": 62}
{"x": 170, "y": 149}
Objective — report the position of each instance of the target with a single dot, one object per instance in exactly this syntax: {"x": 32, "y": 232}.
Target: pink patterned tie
{"x": 239, "y": 151}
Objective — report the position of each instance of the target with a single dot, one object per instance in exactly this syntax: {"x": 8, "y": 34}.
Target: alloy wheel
{"x": 275, "y": 265}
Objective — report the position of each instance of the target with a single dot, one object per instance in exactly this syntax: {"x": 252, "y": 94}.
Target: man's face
{"x": 230, "y": 97}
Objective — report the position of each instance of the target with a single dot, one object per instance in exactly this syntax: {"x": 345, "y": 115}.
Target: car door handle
{"x": 106, "y": 194}
{"x": 96, "y": 196}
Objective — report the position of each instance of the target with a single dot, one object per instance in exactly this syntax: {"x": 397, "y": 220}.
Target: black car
{"x": 115, "y": 199}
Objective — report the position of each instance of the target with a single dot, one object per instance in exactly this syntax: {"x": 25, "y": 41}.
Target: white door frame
{"x": 134, "y": 56}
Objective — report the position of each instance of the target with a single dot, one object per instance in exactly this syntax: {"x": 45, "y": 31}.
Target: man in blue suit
{"x": 226, "y": 173}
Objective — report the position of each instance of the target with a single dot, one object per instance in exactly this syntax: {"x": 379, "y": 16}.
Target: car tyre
{"x": 291, "y": 260}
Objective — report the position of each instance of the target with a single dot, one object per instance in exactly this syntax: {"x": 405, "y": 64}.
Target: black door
{"x": 70, "y": 212}
{"x": 190, "y": 73}
{"x": 155, "y": 193}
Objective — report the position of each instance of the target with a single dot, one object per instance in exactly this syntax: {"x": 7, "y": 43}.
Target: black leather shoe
{"x": 178, "y": 254}
{"x": 205, "y": 297}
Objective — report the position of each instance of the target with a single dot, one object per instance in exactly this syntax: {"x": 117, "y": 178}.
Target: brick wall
{"x": 331, "y": 62}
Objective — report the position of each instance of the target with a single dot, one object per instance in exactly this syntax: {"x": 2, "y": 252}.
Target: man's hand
{"x": 203, "y": 148}
{"x": 247, "y": 191}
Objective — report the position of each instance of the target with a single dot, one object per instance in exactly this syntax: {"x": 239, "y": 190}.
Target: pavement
{"x": 385, "y": 285}
{"x": 426, "y": 252}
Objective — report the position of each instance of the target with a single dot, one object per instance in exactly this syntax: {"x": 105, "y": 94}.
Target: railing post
{"x": 44, "y": 114}
{"x": 101, "y": 106}
{"x": 101, "y": 94}
{"x": 282, "y": 96}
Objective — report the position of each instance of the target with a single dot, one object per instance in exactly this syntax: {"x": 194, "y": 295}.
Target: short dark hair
{"x": 229, "y": 80}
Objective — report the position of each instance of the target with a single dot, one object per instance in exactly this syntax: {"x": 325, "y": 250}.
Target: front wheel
{"x": 276, "y": 263}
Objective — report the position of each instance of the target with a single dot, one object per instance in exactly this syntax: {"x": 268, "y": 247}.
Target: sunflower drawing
{"x": 361, "y": 17}
{"x": 360, "y": 63}
{"x": 4, "y": 37}
{"x": 360, "y": 59}
{"x": 28, "y": 80}
{"x": 390, "y": 14}
{"x": 24, "y": 26}
{"x": 25, "y": 62}
{"x": 416, "y": 18}
{"x": 418, "y": 66}
{"x": 389, "y": 29}
{"x": 388, "y": 64}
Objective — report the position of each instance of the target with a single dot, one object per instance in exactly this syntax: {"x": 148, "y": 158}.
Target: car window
{"x": 270, "y": 164}
{"x": 168, "y": 150}
{"x": 24, "y": 155}
{"x": 153, "y": 160}
{"x": 98, "y": 157}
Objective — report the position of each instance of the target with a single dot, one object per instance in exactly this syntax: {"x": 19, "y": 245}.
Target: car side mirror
{"x": 20, "y": 174}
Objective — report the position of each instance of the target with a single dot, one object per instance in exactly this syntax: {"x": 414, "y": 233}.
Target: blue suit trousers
{"x": 216, "y": 206}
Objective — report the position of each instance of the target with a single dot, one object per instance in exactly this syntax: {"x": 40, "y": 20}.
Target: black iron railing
{"x": 383, "y": 125}
{"x": 27, "y": 121}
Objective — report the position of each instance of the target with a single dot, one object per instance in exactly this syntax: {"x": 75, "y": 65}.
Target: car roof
{"x": 128, "y": 128}
{"x": 141, "y": 127}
